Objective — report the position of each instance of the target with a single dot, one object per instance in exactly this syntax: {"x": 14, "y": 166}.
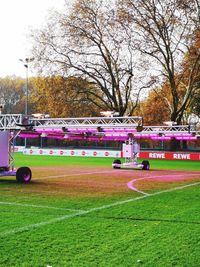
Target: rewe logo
{"x": 181, "y": 156}
{"x": 157, "y": 155}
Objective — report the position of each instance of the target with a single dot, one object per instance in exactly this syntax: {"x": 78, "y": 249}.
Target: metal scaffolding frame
{"x": 126, "y": 129}
{"x": 11, "y": 121}
{"x": 124, "y": 124}
{"x": 170, "y": 129}
{"x": 91, "y": 122}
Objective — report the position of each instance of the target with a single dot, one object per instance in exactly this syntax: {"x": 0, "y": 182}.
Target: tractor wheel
{"x": 146, "y": 165}
{"x": 116, "y": 161}
{"x": 23, "y": 175}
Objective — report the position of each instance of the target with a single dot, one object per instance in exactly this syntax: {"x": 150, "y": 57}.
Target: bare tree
{"x": 90, "y": 42}
{"x": 164, "y": 33}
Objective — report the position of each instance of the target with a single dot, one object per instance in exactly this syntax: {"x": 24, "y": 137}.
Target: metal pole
{"x": 26, "y": 62}
{"x": 26, "y": 102}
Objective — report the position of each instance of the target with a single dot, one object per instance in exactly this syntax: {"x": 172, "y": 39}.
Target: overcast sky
{"x": 16, "y": 18}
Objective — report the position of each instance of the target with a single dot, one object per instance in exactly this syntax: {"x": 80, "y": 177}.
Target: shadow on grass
{"x": 143, "y": 219}
{"x": 6, "y": 181}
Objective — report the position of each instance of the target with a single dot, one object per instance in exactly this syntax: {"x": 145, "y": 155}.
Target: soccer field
{"x": 81, "y": 212}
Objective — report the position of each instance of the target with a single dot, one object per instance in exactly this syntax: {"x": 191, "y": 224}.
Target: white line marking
{"x": 132, "y": 187}
{"x": 69, "y": 216}
{"x": 36, "y": 206}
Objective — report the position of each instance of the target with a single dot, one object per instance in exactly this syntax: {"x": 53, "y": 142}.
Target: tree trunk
{"x": 175, "y": 145}
{"x": 184, "y": 145}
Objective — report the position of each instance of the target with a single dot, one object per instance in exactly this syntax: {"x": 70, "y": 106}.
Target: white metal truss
{"x": 12, "y": 138}
{"x": 19, "y": 121}
{"x": 92, "y": 122}
{"x": 114, "y": 124}
{"x": 10, "y": 121}
{"x": 169, "y": 129}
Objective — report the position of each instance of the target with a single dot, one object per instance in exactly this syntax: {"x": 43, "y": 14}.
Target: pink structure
{"x": 108, "y": 134}
{"x": 100, "y": 128}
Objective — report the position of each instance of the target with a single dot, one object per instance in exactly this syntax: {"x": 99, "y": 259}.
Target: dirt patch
{"x": 75, "y": 181}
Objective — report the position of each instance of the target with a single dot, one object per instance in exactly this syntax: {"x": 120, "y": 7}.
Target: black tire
{"x": 116, "y": 161}
{"x": 146, "y": 165}
{"x": 23, "y": 175}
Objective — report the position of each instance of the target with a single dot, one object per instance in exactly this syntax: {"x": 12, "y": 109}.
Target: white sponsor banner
{"x": 110, "y": 153}
{"x": 74, "y": 152}
{"x": 19, "y": 148}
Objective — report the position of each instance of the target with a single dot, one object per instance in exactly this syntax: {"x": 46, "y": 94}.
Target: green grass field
{"x": 32, "y": 160}
{"x": 79, "y": 212}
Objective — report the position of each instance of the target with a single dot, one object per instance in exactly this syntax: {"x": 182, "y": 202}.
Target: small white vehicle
{"x": 130, "y": 152}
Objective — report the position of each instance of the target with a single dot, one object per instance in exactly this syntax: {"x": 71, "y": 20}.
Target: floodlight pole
{"x": 26, "y": 62}
{"x": 26, "y": 102}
